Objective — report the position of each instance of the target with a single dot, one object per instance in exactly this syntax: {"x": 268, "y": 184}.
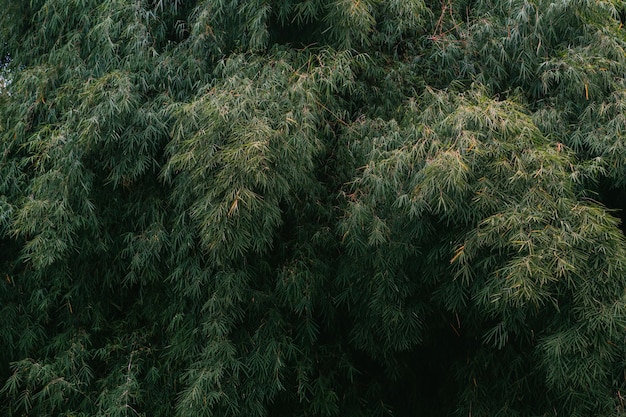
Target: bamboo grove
{"x": 349, "y": 208}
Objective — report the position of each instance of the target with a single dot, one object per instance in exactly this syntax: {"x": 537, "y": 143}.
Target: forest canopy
{"x": 349, "y": 208}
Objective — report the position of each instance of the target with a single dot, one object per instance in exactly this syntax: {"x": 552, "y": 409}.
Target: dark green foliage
{"x": 312, "y": 208}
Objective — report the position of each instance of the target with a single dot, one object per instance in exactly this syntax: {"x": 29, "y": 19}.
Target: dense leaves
{"x": 306, "y": 207}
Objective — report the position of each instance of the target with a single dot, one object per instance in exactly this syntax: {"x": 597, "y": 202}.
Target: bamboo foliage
{"x": 300, "y": 207}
